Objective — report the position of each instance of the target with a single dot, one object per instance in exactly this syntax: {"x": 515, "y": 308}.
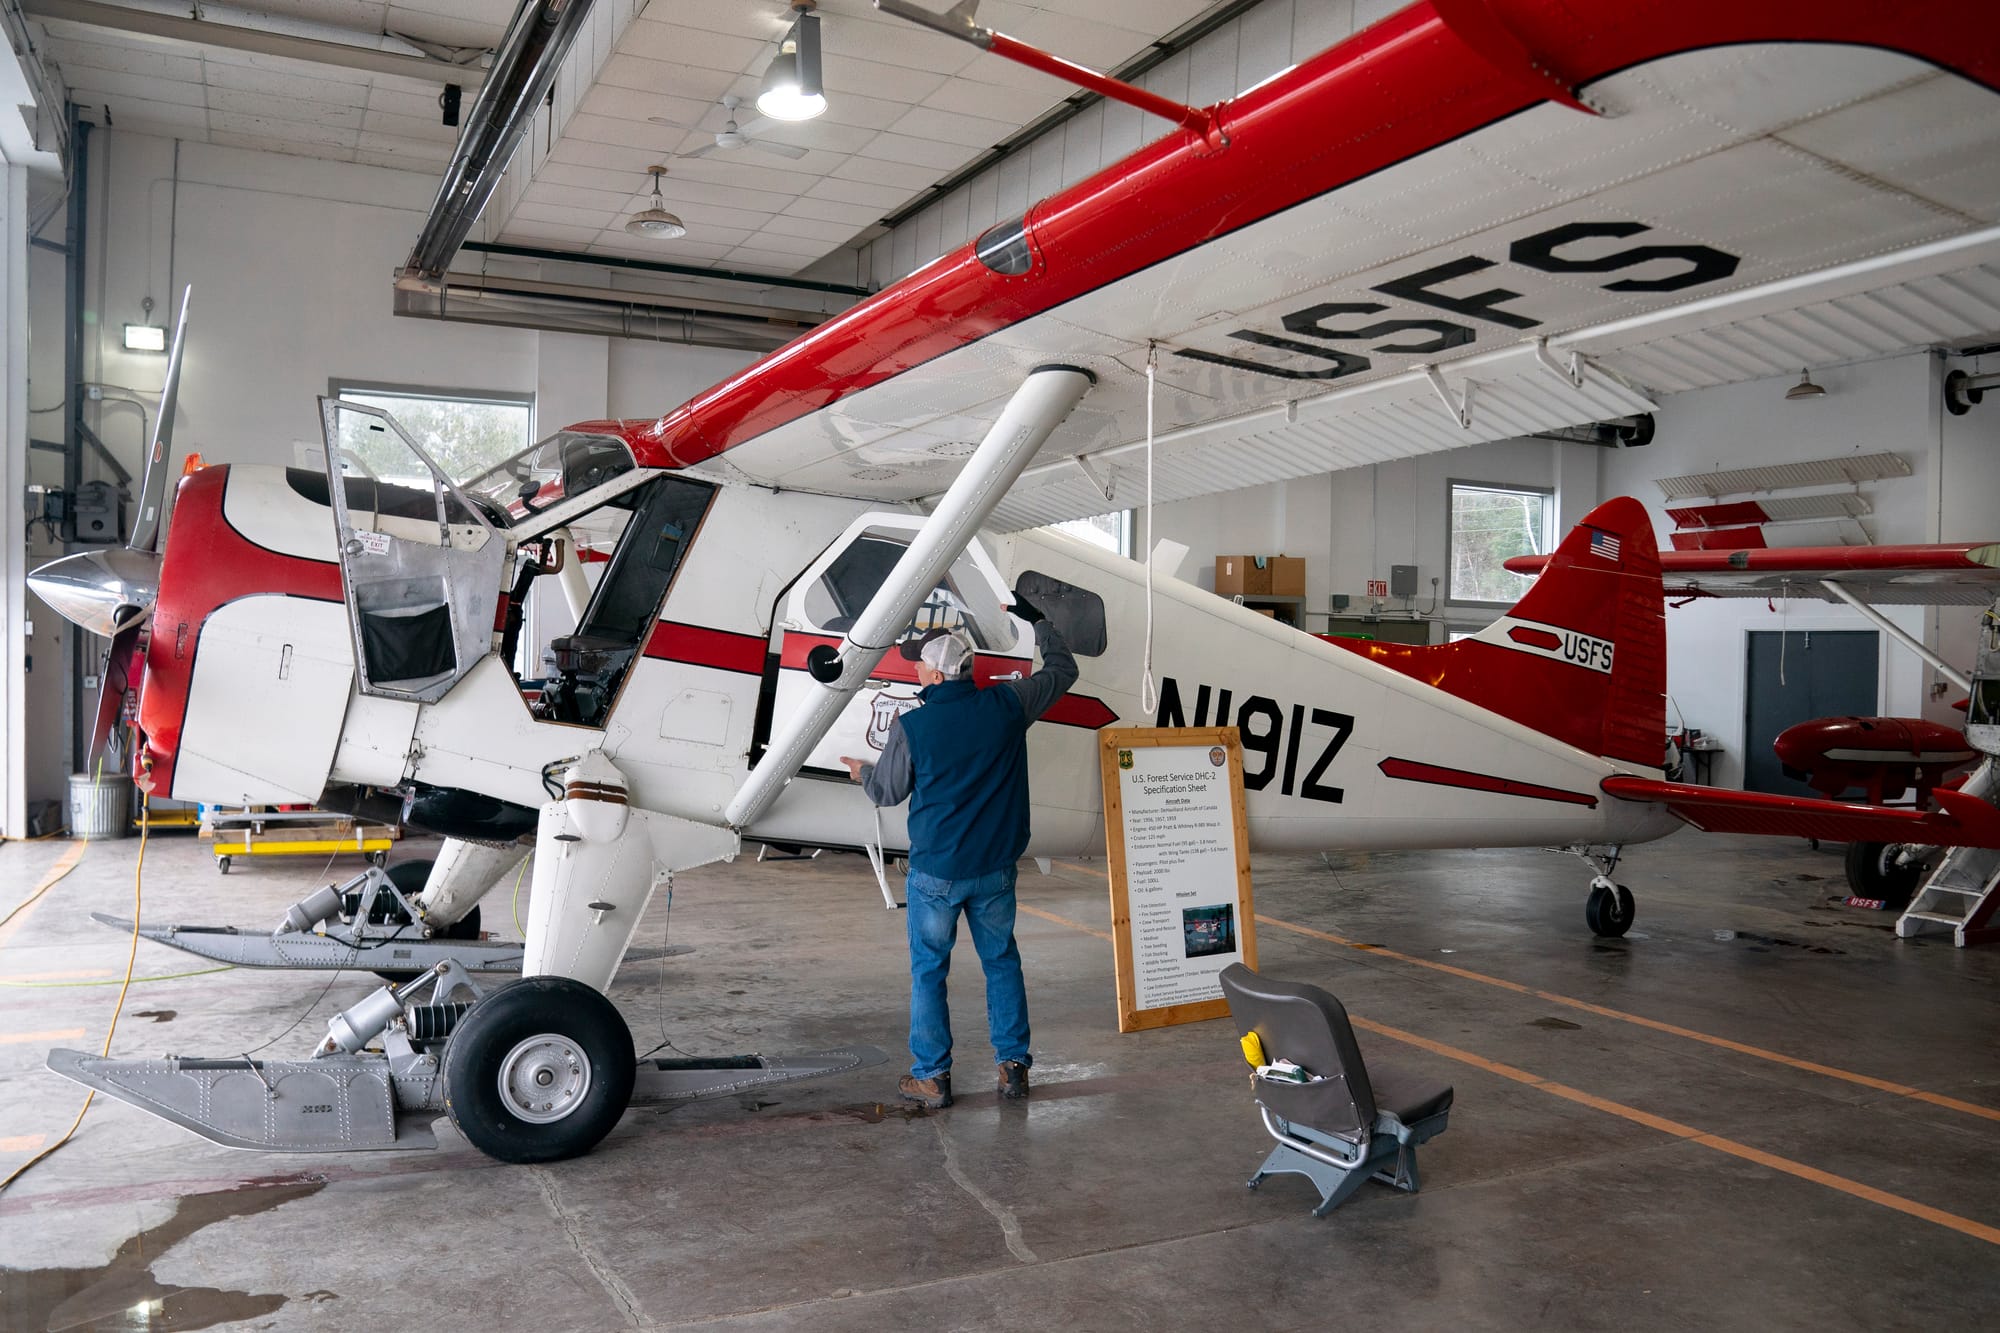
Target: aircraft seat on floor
{"x": 1351, "y": 1121}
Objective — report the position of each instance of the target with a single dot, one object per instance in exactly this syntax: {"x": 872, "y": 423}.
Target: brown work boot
{"x": 932, "y": 1092}
{"x": 1013, "y": 1076}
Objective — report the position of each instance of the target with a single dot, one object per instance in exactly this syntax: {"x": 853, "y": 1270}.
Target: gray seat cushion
{"x": 1407, "y": 1095}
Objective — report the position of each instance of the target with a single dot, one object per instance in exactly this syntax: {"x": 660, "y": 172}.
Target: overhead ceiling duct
{"x": 530, "y": 53}
{"x": 562, "y": 308}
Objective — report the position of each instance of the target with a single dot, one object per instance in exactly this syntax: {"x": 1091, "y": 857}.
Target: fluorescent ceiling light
{"x": 791, "y": 89}
{"x": 145, "y": 338}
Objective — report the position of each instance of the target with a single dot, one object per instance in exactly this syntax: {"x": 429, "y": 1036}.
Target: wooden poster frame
{"x": 1110, "y": 741}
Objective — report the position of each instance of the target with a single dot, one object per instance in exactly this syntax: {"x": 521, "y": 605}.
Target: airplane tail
{"x": 1581, "y": 657}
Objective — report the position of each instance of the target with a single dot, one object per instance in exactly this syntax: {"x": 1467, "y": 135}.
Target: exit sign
{"x": 1378, "y": 587}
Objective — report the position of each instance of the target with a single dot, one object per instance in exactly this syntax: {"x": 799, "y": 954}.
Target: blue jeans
{"x": 988, "y": 904}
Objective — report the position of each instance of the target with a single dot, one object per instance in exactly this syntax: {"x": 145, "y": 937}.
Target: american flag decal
{"x": 1604, "y": 544}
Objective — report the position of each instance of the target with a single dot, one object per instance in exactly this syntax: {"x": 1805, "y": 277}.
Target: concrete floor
{"x": 1599, "y": 1171}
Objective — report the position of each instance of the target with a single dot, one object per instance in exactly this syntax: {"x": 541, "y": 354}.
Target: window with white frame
{"x": 1489, "y": 526}
{"x": 1113, "y": 531}
{"x": 465, "y": 431}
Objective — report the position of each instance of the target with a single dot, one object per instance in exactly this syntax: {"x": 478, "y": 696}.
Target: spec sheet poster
{"x": 1179, "y": 855}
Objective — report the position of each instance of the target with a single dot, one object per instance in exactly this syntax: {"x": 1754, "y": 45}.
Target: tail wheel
{"x": 1874, "y": 871}
{"x": 539, "y": 1070}
{"x": 1609, "y": 914}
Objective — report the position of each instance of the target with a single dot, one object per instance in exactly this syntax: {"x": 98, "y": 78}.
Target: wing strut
{"x": 958, "y": 22}
{"x": 1898, "y": 633}
{"x": 1046, "y": 397}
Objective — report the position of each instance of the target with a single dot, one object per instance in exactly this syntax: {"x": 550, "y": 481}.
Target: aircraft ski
{"x": 348, "y": 1098}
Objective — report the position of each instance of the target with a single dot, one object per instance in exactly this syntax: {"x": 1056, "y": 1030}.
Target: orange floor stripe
{"x": 27, "y": 1038}
{"x": 1910, "y": 1207}
{"x": 23, "y": 1143}
{"x": 1064, "y": 921}
{"x": 1963, "y": 1225}
{"x": 64, "y": 864}
{"x": 1689, "y": 1034}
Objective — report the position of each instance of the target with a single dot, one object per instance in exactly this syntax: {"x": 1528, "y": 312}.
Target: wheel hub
{"x": 544, "y": 1078}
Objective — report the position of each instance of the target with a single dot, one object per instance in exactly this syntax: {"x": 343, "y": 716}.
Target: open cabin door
{"x": 834, "y": 589}
{"x": 420, "y": 565}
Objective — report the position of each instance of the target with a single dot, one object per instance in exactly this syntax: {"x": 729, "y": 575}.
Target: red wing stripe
{"x": 1409, "y": 770}
{"x": 699, "y": 645}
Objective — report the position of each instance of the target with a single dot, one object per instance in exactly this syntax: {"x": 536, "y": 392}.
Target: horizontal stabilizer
{"x": 1961, "y": 820}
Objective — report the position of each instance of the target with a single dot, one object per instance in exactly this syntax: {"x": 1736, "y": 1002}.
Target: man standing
{"x": 962, "y": 762}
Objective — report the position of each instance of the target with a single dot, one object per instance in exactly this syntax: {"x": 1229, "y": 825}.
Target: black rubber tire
{"x": 1870, "y": 873}
{"x": 1609, "y": 915}
{"x": 495, "y": 1026}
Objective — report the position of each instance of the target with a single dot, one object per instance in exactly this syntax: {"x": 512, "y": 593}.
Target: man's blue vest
{"x": 969, "y": 800}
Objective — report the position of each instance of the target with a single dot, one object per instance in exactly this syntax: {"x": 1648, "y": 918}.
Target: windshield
{"x": 566, "y": 464}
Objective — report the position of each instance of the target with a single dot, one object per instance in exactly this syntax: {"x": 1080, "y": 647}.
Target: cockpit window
{"x": 962, "y": 598}
{"x": 566, "y": 464}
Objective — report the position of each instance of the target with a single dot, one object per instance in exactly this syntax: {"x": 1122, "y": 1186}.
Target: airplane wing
{"x": 1937, "y": 574}
{"x": 1474, "y": 220}
{"x": 1959, "y": 821}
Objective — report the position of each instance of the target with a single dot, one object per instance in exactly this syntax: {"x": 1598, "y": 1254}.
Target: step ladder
{"x": 1963, "y": 893}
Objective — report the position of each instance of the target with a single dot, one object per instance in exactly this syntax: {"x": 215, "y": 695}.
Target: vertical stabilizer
{"x": 1582, "y": 657}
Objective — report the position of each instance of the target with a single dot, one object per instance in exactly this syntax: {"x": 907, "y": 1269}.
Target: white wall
{"x": 1350, "y": 526}
{"x": 1882, "y": 406}
{"x": 291, "y": 261}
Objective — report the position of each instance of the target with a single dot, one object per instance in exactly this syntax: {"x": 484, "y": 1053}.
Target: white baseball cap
{"x": 949, "y": 654}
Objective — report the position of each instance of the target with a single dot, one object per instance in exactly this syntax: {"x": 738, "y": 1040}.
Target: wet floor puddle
{"x": 1766, "y": 943}
{"x": 124, "y": 1295}
{"x": 874, "y": 1113}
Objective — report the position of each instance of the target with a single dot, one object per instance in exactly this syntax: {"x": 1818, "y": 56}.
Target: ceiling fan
{"x": 731, "y": 137}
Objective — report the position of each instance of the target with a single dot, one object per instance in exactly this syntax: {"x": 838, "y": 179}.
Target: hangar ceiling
{"x": 644, "y": 83}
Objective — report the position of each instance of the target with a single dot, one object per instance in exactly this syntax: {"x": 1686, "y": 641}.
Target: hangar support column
{"x": 13, "y": 477}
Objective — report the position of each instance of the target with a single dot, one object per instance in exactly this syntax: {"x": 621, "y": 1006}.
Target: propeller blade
{"x": 781, "y": 149}
{"x": 153, "y": 490}
{"x": 115, "y": 677}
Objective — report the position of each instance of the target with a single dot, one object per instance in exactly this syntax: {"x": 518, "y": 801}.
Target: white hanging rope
{"x": 1149, "y": 693}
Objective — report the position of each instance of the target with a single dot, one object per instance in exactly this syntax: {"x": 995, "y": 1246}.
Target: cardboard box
{"x": 1270, "y": 611}
{"x": 1239, "y": 575}
{"x": 1288, "y": 576}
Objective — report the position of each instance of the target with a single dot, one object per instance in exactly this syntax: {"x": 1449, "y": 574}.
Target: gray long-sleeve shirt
{"x": 888, "y": 780}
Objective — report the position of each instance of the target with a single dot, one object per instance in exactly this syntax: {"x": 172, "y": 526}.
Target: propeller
{"x": 732, "y": 137}
{"x": 111, "y": 592}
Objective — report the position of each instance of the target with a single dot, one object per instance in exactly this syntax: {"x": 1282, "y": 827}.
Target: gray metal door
{"x": 1798, "y": 675}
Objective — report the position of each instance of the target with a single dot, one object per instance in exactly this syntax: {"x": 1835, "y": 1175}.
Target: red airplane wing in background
{"x": 1936, "y": 574}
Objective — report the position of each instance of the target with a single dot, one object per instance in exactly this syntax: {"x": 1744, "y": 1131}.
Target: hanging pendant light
{"x": 656, "y": 222}
{"x": 791, "y": 88}
{"x": 1804, "y": 389}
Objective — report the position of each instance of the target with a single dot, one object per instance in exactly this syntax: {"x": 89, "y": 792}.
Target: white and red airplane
{"x": 1474, "y": 220}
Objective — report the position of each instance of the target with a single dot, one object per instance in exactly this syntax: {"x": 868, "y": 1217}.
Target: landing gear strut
{"x": 1609, "y": 909}
{"x": 535, "y": 1070}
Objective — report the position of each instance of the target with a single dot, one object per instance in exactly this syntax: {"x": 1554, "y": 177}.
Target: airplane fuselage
{"x": 1339, "y": 751}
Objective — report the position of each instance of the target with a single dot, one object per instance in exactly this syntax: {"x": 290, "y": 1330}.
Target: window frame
{"x": 337, "y": 387}
{"x": 1452, "y": 487}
